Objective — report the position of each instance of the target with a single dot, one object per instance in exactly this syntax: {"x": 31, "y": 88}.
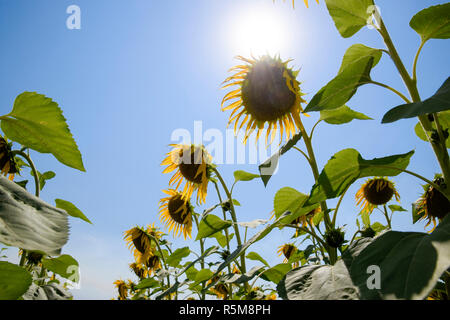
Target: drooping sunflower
{"x": 374, "y": 192}
{"x": 176, "y": 212}
{"x": 139, "y": 270}
{"x": 306, "y": 220}
{"x": 288, "y": 250}
{"x": 267, "y": 92}
{"x": 122, "y": 287}
{"x": 192, "y": 164}
{"x": 153, "y": 263}
{"x": 305, "y": 1}
{"x": 220, "y": 289}
{"x": 139, "y": 242}
{"x": 433, "y": 204}
{"x": 7, "y": 162}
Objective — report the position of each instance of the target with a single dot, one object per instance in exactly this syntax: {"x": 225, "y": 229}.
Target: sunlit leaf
{"x": 211, "y": 224}
{"x": 38, "y": 123}
{"x": 341, "y": 115}
{"x": 65, "y": 265}
{"x": 175, "y": 258}
{"x": 71, "y": 209}
{"x": 14, "y": 281}
{"x": 255, "y": 256}
{"x": 276, "y": 273}
{"x": 433, "y": 22}
{"x": 241, "y": 175}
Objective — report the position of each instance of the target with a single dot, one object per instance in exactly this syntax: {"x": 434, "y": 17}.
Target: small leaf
{"x": 269, "y": 167}
{"x": 440, "y": 101}
{"x": 276, "y": 273}
{"x": 365, "y": 218}
{"x": 65, "y": 265}
{"x": 349, "y": 15}
{"x": 211, "y": 224}
{"x": 175, "y": 258}
{"x": 71, "y": 209}
{"x": 148, "y": 283}
{"x": 14, "y": 281}
{"x": 23, "y": 183}
{"x": 433, "y": 22}
{"x": 341, "y": 115}
{"x": 202, "y": 275}
{"x": 221, "y": 238}
{"x": 38, "y": 123}
{"x": 398, "y": 208}
{"x": 241, "y": 175}
{"x": 444, "y": 121}
{"x": 43, "y": 177}
{"x": 256, "y": 257}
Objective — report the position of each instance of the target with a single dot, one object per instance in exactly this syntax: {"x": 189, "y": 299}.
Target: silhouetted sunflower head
{"x": 122, "y": 288}
{"x": 288, "y": 250}
{"x": 139, "y": 241}
{"x": 375, "y": 192}
{"x": 7, "y": 162}
{"x": 176, "y": 212}
{"x": 267, "y": 92}
{"x": 192, "y": 165}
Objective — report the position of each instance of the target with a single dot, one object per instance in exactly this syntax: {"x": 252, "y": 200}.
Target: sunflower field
{"x": 221, "y": 259}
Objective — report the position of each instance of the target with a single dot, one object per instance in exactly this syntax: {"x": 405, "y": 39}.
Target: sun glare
{"x": 259, "y": 32}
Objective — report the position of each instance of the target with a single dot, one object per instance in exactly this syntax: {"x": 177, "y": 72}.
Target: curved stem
{"x": 416, "y": 60}
{"x": 401, "y": 95}
{"x": 387, "y": 217}
{"x": 33, "y": 169}
{"x": 313, "y": 128}
{"x": 162, "y": 259}
{"x": 303, "y": 153}
{"x": 333, "y": 222}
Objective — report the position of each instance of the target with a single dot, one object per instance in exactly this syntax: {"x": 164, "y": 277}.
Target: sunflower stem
{"x": 202, "y": 262}
{"x": 235, "y": 224}
{"x": 33, "y": 169}
{"x": 411, "y": 84}
{"x": 387, "y": 217}
{"x": 401, "y": 95}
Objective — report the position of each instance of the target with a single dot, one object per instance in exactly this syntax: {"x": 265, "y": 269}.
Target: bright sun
{"x": 259, "y": 32}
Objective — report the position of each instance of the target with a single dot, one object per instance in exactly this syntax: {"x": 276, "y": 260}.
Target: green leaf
{"x": 221, "y": 238}
{"x": 241, "y": 175}
{"x": 148, "y": 283}
{"x": 23, "y": 183}
{"x": 191, "y": 273}
{"x": 269, "y": 167}
{"x": 71, "y": 209}
{"x": 175, "y": 258}
{"x": 276, "y": 273}
{"x": 202, "y": 275}
{"x": 29, "y": 223}
{"x": 410, "y": 263}
{"x": 365, "y": 218}
{"x": 355, "y": 70}
{"x": 38, "y": 123}
{"x": 349, "y": 16}
{"x": 378, "y": 227}
{"x": 433, "y": 22}
{"x": 43, "y": 177}
{"x": 346, "y": 166}
{"x": 444, "y": 121}
{"x": 397, "y": 208}
{"x": 211, "y": 224}
{"x": 440, "y": 101}
{"x": 341, "y": 115}
{"x": 14, "y": 281}
{"x": 288, "y": 199}
{"x": 256, "y": 257}
{"x": 65, "y": 265}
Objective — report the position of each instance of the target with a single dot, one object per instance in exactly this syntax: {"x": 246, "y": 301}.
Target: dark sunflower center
{"x": 377, "y": 195}
{"x": 265, "y": 93}
{"x": 288, "y": 251}
{"x": 176, "y": 207}
{"x": 139, "y": 242}
{"x": 189, "y": 167}
{"x": 152, "y": 262}
{"x": 437, "y": 204}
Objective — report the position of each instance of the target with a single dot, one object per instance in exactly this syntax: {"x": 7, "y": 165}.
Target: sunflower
{"x": 220, "y": 289}
{"x": 267, "y": 92}
{"x": 293, "y": 2}
{"x": 7, "y": 162}
{"x": 288, "y": 250}
{"x": 306, "y": 220}
{"x": 192, "y": 164}
{"x": 153, "y": 263}
{"x": 176, "y": 212}
{"x": 139, "y": 270}
{"x": 122, "y": 288}
{"x": 433, "y": 204}
{"x": 375, "y": 192}
{"x": 139, "y": 242}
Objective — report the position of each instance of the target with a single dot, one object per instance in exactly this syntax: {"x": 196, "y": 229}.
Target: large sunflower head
{"x": 139, "y": 270}
{"x": 374, "y": 192}
{"x": 176, "y": 212}
{"x": 267, "y": 92}
{"x": 153, "y": 263}
{"x": 433, "y": 204}
{"x": 192, "y": 164}
{"x": 7, "y": 162}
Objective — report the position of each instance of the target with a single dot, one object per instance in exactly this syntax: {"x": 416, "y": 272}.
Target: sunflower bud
{"x": 335, "y": 238}
{"x": 368, "y": 233}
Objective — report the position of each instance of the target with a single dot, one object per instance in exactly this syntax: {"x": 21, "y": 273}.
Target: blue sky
{"x": 137, "y": 70}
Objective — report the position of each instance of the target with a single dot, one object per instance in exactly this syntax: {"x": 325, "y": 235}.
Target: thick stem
{"x": 33, "y": 169}
{"x": 202, "y": 263}
{"x": 387, "y": 217}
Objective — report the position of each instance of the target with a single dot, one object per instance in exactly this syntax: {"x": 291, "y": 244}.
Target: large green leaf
{"x": 148, "y": 283}
{"x": 14, "y": 281}
{"x": 255, "y": 256}
{"x": 410, "y": 263}
{"x": 71, "y": 209}
{"x": 440, "y": 101}
{"x": 289, "y": 199}
{"x": 29, "y": 223}
{"x": 433, "y": 22}
{"x": 346, "y": 166}
{"x": 210, "y": 225}
{"x": 355, "y": 70}
{"x": 269, "y": 167}
{"x": 349, "y": 16}
{"x": 341, "y": 115}
{"x": 66, "y": 266}
{"x": 38, "y": 123}
{"x": 276, "y": 273}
